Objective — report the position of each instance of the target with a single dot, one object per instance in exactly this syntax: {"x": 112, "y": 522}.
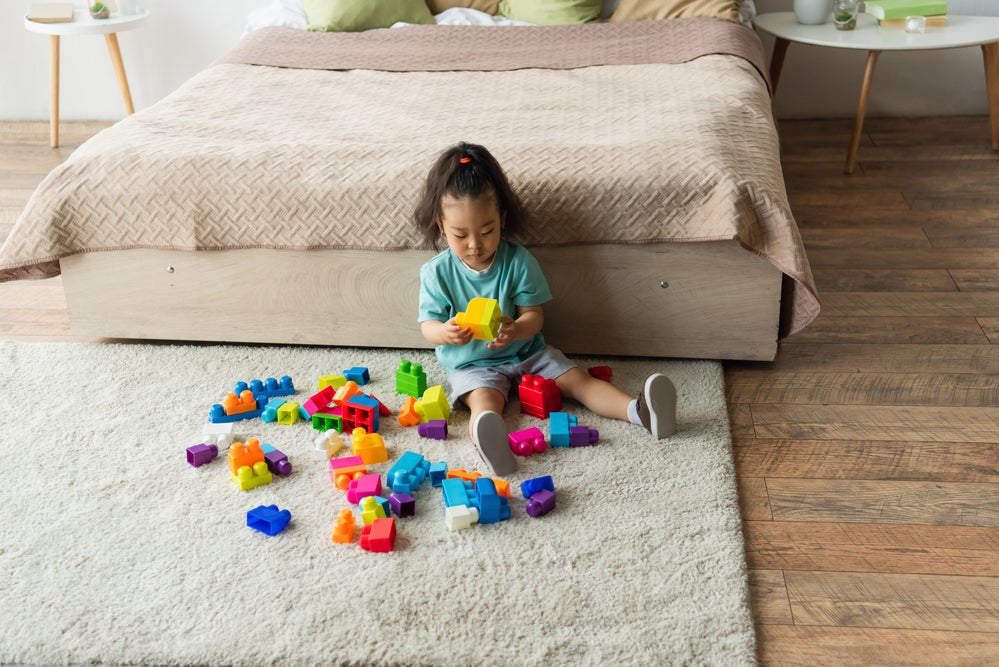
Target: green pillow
{"x": 357, "y": 15}
{"x": 551, "y": 12}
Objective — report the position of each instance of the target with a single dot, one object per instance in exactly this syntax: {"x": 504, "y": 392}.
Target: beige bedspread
{"x": 657, "y": 145}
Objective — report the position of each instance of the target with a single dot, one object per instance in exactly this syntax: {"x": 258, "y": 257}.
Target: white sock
{"x": 633, "y": 412}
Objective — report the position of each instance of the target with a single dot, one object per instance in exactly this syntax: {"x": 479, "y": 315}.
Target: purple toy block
{"x": 268, "y": 519}
{"x": 435, "y": 428}
{"x": 277, "y": 461}
{"x": 364, "y": 486}
{"x": 581, "y": 436}
{"x": 541, "y": 503}
{"x": 402, "y": 504}
{"x": 532, "y": 486}
{"x": 199, "y": 455}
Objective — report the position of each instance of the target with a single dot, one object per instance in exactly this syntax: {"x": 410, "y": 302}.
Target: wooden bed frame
{"x": 662, "y": 300}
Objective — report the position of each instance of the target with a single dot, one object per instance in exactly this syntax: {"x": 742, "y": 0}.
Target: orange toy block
{"x": 346, "y": 469}
{"x": 343, "y": 531}
{"x": 241, "y": 455}
{"x": 502, "y": 486}
{"x": 482, "y": 316}
{"x": 234, "y": 405}
{"x": 369, "y": 446}
{"x": 345, "y": 392}
{"x": 407, "y": 413}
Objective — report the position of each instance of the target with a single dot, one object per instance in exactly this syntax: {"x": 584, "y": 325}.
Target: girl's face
{"x": 472, "y": 228}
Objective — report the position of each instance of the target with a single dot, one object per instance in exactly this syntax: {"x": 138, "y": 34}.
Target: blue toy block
{"x": 268, "y": 388}
{"x": 358, "y": 374}
{"x": 532, "y": 486}
{"x": 406, "y": 475}
{"x": 271, "y": 409}
{"x": 438, "y": 472}
{"x": 457, "y": 491}
{"x": 493, "y": 507}
{"x": 268, "y": 519}
{"x": 217, "y": 414}
{"x": 410, "y": 379}
{"x": 559, "y": 424}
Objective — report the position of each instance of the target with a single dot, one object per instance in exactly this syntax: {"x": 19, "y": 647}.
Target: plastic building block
{"x": 502, "y": 486}
{"x": 407, "y": 414}
{"x": 329, "y": 444}
{"x": 406, "y": 474}
{"x": 344, "y": 393}
{"x": 335, "y": 381}
{"x": 539, "y": 396}
{"x": 460, "y": 517}
{"x": 235, "y": 404}
{"x": 379, "y": 536}
{"x": 248, "y": 477}
{"x": 410, "y": 379}
{"x": 220, "y": 434}
{"x": 493, "y": 507}
{"x": 433, "y": 405}
{"x": 438, "y": 472}
{"x": 558, "y": 428}
{"x": 357, "y": 374}
{"x": 277, "y": 461}
{"x": 343, "y": 531}
{"x": 360, "y": 411}
{"x": 241, "y": 455}
{"x": 435, "y": 428}
{"x": 364, "y": 486}
{"x": 199, "y": 455}
{"x": 371, "y": 508}
{"x": 527, "y": 441}
{"x": 288, "y": 413}
{"x": 318, "y": 401}
{"x": 457, "y": 491}
{"x": 328, "y": 420}
{"x": 402, "y": 504}
{"x": 532, "y": 486}
{"x": 581, "y": 436}
{"x": 346, "y": 469}
{"x": 217, "y": 413}
{"x": 383, "y": 410}
{"x": 369, "y": 446}
{"x": 600, "y": 372}
{"x": 268, "y": 519}
{"x": 541, "y": 503}
{"x": 270, "y": 413}
{"x": 482, "y": 316}
{"x": 268, "y": 388}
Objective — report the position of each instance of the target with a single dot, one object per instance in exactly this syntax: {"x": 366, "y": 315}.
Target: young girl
{"x": 468, "y": 202}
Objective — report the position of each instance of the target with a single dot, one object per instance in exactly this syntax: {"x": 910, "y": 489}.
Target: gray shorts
{"x": 548, "y": 363}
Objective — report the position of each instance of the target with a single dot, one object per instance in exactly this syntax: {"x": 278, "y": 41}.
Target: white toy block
{"x": 220, "y": 435}
{"x": 459, "y": 517}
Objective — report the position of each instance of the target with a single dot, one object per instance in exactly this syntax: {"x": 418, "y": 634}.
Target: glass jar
{"x": 845, "y": 14}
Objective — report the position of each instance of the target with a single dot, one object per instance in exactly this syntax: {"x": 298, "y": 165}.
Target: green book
{"x": 886, "y": 10}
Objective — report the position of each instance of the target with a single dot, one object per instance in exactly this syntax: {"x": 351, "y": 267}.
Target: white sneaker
{"x": 657, "y": 406}
{"x": 489, "y": 438}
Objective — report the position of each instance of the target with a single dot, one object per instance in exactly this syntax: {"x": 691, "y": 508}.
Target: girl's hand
{"x": 506, "y": 333}
{"x": 452, "y": 334}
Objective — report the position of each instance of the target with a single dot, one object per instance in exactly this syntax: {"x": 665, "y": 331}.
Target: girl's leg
{"x": 488, "y": 430}
{"x": 655, "y": 407}
{"x": 482, "y": 399}
{"x": 601, "y": 397}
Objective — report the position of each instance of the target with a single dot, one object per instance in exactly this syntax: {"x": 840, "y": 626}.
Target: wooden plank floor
{"x": 867, "y": 452}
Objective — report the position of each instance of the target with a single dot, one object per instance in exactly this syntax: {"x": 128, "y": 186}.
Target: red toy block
{"x": 527, "y": 441}
{"x": 600, "y": 372}
{"x": 383, "y": 409}
{"x": 319, "y": 400}
{"x": 539, "y": 396}
{"x": 379, "y": 535}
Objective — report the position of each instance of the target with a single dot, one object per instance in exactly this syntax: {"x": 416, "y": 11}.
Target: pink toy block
{"x": 527, "y": 441}
{"x": 346, "y": 469}
{"x": 539, "y": 396}
{"x": 379, "y": 535}
{"x": 319, "y": 400}
{"x": 364, "y": 486}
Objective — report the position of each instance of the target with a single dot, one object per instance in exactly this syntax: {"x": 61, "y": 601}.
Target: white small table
{"x": 84, "y": 24}
{"x": 960, "y": 31}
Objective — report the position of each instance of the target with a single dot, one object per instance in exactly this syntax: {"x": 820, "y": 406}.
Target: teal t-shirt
{"x": 514, "y": 279}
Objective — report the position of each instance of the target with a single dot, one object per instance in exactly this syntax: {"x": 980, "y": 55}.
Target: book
{"x": 938, "y": 21}
{"x": 886, "y": 10}
{"x": 51, "y": 12}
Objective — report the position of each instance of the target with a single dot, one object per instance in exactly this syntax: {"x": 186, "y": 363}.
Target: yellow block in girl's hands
{"x": 482, "y": 316}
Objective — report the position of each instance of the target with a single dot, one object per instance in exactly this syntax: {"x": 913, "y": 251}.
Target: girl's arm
{"x": 529, "y": 321}
{"x": 445, "y": 333}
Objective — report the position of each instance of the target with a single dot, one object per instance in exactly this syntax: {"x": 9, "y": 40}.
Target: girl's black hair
{"x": 466, "y": 170}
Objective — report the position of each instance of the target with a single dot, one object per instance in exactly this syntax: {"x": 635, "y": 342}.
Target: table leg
{"x": 777, "y": 63}
{"x": 858, "y": 123}
{"x": 991, "y": 55}
{"x": 119, "y": 70}
{"x": 54, "y": 91}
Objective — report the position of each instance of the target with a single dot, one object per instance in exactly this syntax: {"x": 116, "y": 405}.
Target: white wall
{"x": 182, "y": 37}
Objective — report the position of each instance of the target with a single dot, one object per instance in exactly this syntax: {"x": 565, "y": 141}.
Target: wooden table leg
{"x": 777, "y": 63}
{"x": 858, "y": 123}
{"x": 119, "y": 70}
{"x": 54, "y": 91}
{"x": 991, "y": 55}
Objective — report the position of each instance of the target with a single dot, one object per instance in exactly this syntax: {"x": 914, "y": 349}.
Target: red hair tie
{"x": 465, "y": 160}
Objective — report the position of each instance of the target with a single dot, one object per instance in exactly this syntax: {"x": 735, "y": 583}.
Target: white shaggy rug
{"x": 113, "y": 550}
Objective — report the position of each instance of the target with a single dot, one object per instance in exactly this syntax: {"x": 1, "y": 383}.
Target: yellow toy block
{"x": 371, "y": 509}
{"x": 288, "y": 413}
{"x": 234, "y": 405}
{"x": 433, "y": 405}
{"x": 247, "y": 455}
{"x": 369, "y": 446}
{"x": 335, "y": 381}
{"x": 251, "y": 477}
{"x": 482, "y": 316}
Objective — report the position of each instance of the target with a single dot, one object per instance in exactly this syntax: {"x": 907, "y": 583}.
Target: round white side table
{"x": 960, "y": 31}
{"x": 84, "y": 24}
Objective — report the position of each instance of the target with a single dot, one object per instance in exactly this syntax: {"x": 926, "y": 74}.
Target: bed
{"x": 269, "y": 198}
